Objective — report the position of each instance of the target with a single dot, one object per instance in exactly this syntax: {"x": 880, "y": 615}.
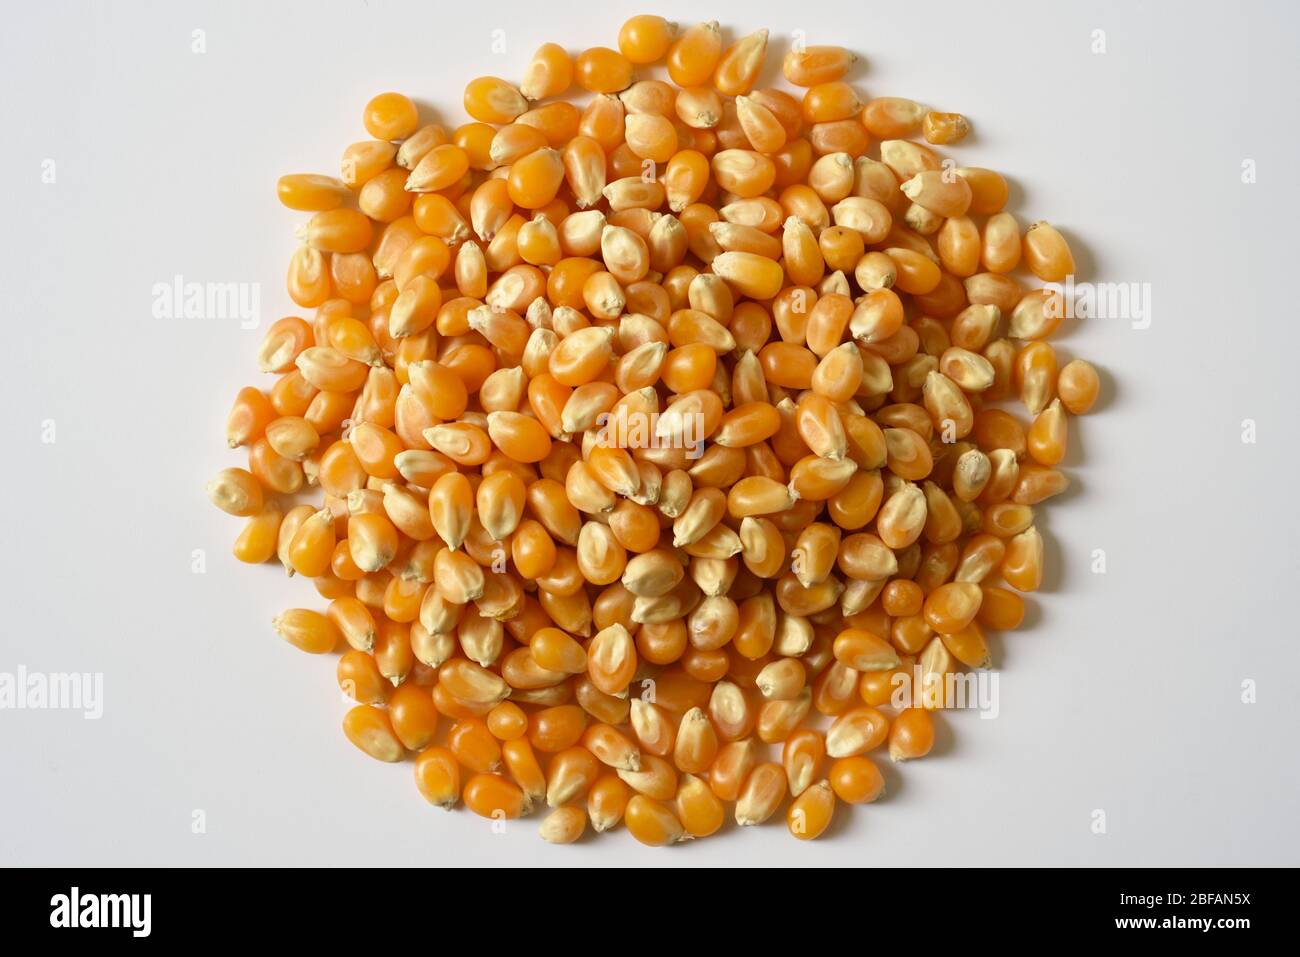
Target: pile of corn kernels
{"x": 665, "y": 441}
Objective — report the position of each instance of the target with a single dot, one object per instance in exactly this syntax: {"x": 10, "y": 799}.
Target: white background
{"x": 1122, "y": 694}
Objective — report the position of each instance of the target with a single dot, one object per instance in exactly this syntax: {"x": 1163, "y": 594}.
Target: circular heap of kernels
{"x": 544, "y": 611}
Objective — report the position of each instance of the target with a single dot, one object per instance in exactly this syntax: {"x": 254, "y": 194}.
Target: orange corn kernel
{"x": 911, "y": 735}
{"x": 492, "y": 796}
{"x": 694, "y": 55}
{"x": 370, "y": 730}
{"x": 437, "y": 775}
{"x": 652, "y": 823}
{"x": 856, "y": 780}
